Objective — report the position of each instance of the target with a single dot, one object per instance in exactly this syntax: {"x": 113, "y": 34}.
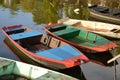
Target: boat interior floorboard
{"x": 36, "y": 47}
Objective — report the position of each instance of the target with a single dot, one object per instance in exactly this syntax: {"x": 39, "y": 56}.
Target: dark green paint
{"x": 79, "y": 36}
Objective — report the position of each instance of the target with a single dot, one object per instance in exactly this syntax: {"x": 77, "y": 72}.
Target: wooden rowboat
{"x": 105, "y": 14}
{"x": 43, "y": 48}
{"x": 104, "y": 29}
{"x": 81, "y": 39}
{"x": 15, "y": 70}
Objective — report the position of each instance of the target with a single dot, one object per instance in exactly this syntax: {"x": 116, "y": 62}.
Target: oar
{"x": 113, "y": 59}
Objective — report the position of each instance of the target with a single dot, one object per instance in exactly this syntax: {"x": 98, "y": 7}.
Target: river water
{"x": 32, "y": 13}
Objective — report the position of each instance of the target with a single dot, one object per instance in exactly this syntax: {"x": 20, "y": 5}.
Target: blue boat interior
{"x": 15, "y": 30}
{"x": 60, "y": 53}
{"x": 25, "y": 35}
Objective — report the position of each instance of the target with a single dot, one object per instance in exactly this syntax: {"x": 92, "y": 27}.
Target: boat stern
{"x": 108, "y": 46}
{"x": 77, "y": 60}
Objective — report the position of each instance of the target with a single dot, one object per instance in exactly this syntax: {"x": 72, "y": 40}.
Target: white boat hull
{"x": 105, "y": 29}
{"x": 28, "y": 71}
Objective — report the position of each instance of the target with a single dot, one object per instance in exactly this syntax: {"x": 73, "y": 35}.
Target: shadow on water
{"x": 74, "y": 71}
{"x": 101, "y": 58}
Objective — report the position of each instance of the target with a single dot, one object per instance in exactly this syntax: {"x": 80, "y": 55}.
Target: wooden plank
{"x": 113, "y": 59}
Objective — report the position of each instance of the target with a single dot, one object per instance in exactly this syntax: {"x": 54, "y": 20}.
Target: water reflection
{"x": 101, "y": 58}
{"x": 69, "y": 7}
{"x": 45, "y": 11}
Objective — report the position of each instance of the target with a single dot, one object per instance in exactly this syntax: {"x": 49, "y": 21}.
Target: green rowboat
{"x": 79, "y": 38}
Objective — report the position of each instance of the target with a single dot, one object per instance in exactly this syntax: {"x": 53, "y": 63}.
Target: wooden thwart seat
{"x": 45, "y": 39}
{"x": 49, "y": 41}
{"x": 67, "y": 33}
{"x": 57, "y": 28}
{"x": 14, "y": 31}
{"x": 54, "y": 43}
{"x": 25, "y": 35}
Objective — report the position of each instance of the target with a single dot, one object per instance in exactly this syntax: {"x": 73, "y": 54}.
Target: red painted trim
{"x": 11, "y": 27}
